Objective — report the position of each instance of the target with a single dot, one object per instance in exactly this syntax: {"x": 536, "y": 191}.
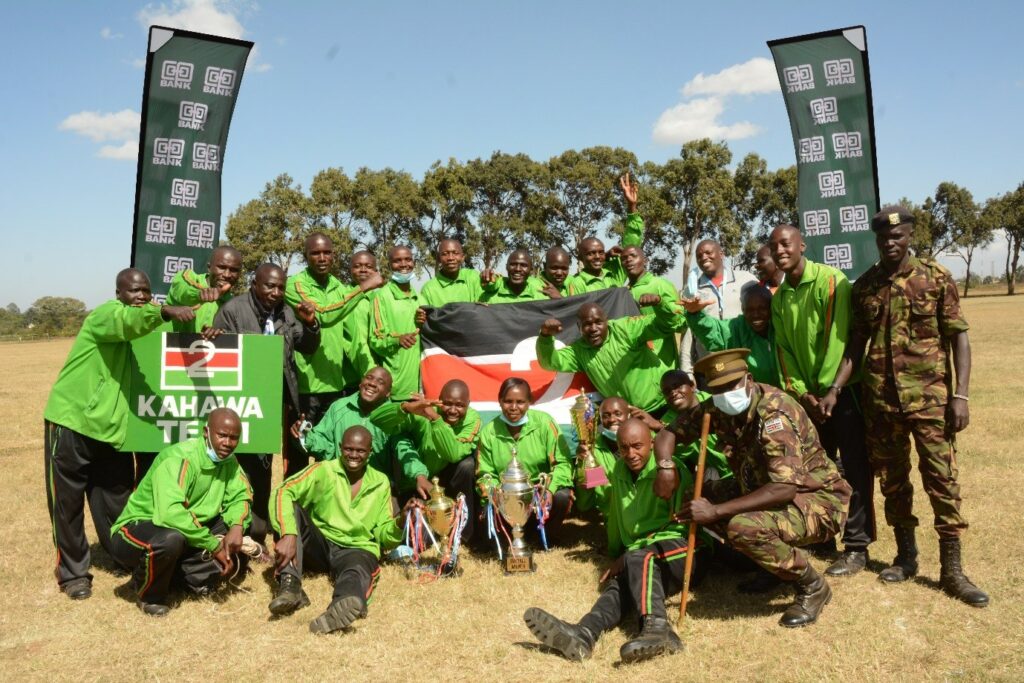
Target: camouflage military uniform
{"x": 774, "y": 442}
{"x": 907, "y": 319}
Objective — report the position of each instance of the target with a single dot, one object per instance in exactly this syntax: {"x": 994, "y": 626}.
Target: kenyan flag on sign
{"x": 189, "y": 362}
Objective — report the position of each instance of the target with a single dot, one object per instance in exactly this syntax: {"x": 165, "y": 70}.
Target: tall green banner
{"x": 192, "y": 83}
{"x": 178, "y": 379}
{"x": 827, "y": 89}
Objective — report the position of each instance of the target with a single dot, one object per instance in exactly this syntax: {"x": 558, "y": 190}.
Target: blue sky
{"x": 402, "y": 84}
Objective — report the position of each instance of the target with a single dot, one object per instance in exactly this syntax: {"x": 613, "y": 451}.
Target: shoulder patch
{"x": 773, "y": 425}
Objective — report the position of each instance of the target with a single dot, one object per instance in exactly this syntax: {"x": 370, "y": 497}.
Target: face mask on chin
{"x": 610, "y": 434}
{"x": 518, "y": 423}
{"x": 212, "y": 454}
{"x": 734, "y": 401}
{"x": 401, "y": 278}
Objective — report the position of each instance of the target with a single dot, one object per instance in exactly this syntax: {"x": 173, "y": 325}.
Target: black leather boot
{"x": 851, "y": 562}
{"x": 288, "y": 596}
{"x": 812, "y": 594}
{"x": 952, "y": 578}
{"x": 572, "y": 641}
{"x": 904, "y": 565}
{"x": 656, "y": 638}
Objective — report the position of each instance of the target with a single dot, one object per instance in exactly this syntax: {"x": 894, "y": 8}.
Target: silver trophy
{"x": 514, "y": 500}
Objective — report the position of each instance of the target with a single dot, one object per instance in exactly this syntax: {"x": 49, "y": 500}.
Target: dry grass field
{"x": 472, "y": 628}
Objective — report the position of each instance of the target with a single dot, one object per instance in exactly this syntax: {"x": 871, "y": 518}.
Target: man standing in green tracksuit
{"x": 321, "y": 374}
{"x": 597, "y": 270}
{"x": 359, "y": 360}
{"x": 85, "y": 423}
{"x": 751, "y": 330}
{"x": 208, "y": 291}
{"x": 518, "y": 285}
{"x": 614, "y": 353}
{"x": 187, "y": 516}
{"x": 453, "y": 283}
{"x": 394, "y": 321}
{"x": 651, "y": 549}
{"x": 333, "y": 516}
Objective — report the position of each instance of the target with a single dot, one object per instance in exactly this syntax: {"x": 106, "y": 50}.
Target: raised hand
{"x": 630, "y": 190}
{"x": 550, "y": 327}
{"x": 373, "y": 281}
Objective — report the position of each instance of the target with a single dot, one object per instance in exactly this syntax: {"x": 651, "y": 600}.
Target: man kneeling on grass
{"x": 650, "y": 568}
{"x": 187, "y": 516}
{"x": 333, "y": 516}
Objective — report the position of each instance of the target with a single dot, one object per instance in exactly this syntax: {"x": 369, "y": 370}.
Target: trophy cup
{"x": 591, "y": 475}
{"x": 514, "y": 500}
{"x": 440, "y": 512}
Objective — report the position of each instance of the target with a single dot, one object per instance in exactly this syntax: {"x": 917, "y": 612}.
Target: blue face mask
{"x": 609, "y": 434}
{"x": 518, "y": 423}
{"x": 212, "y": 454}
{"x": 401, "y": 278}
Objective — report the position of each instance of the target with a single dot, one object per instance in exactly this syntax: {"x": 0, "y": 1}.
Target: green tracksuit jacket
{"x": 392, "y": 314}
{"x": 324, "y": 492}
{"x": 612, "y": 274}
{"x": 184, "y": 489}
{"x": 498, "y": 292}
{"x": 90, "y": 395}
{"x": 540, "y": 448}
{"x": 184, "y": 291}
{"x": 624, "y": 365}
{"x": 464, "y": 288}
{"x": 323, "y": 371}
{"x": 736, "y": 333}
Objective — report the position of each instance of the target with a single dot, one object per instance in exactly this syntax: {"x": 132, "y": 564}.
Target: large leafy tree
{"x": 272, "y": 226}
{"x": 388, "y": 206}
{"x": 57, "y": 315}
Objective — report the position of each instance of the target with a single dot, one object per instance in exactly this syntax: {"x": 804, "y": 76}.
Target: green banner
{"x": 826, "y": 85}
{"x": 178, "y": 379}
{"x": 192, "y": 83}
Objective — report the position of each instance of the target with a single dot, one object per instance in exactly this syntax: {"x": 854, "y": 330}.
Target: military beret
{"x": 890, "y": 217}
{"x": 723, "y": 367}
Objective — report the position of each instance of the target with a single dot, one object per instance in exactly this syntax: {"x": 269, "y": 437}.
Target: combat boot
{"x": 572, "y": 641}
{"x": 904, "y": 565}
{"x": 656, "y": 638}
{"x": 339, "y": 615}
{"x": 812, "y": 594}
{"x": 288, "y": 596}
{"x": 952, "y": 579}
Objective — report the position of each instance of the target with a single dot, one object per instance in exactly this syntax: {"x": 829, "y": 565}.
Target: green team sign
{"x": 192, "y": 83}
{"x": 178, "y": 379}
{"x": 826, "y": 87}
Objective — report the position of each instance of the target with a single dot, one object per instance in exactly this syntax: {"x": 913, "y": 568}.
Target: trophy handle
{"x": 544, "y": 481}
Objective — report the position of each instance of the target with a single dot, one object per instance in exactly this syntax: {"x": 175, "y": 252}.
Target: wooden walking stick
{"x": 691, "y": 541}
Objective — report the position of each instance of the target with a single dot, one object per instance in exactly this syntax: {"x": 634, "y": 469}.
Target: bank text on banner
{"x": 191, "y": 86}
{"x": 483, "y": 345}
{"x": 827, "y": 89}
{"x": 178, "y": 379}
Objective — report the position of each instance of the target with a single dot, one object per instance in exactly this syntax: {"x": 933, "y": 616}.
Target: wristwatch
{"x": 666, "y": 465}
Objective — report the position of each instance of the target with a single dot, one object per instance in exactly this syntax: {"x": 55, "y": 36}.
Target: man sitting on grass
{"x": 187, "y": 516}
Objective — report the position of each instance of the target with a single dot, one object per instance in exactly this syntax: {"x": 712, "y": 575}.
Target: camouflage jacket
{"x": 907, "y": 319}
{"x": 774, "y": 442}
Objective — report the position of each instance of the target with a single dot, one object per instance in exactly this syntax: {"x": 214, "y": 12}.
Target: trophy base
{"x": 594, "y": 477}
{"x": 519, "y": 564}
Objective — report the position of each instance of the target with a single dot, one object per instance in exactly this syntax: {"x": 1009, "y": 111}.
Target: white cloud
{"x": 698, "y": 119}
{"x": 753, "y": 77}
{"x": 107, "y": 33}
{"x": 202, "y": 16}
{"x": 99, "y": 127}
{"x": 128, "y": 151}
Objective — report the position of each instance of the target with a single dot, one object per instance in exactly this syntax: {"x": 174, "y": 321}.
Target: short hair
{"x": 511, "y": 383}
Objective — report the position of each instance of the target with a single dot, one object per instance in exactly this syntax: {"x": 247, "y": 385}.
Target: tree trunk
{"x": 967, "y": 278}
{"x": 688, "y": 246}
{"x": 1013, "y": 271}
{"x": 1009, "y": 273}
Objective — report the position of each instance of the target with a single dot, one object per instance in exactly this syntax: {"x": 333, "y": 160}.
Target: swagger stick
{"x": 705, "y": 428}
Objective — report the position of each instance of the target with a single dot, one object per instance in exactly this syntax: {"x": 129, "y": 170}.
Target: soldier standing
{"x": 907, "y": 323}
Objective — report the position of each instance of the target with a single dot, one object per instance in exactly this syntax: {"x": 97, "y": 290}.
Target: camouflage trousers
{"x": 889, "y": 437}
{"x": 772, "y": 538}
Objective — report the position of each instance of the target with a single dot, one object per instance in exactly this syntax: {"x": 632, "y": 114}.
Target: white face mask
{"x": 401, "y": 278}
{"x": 210, "y": 452}
{"x": 733, "y": 402}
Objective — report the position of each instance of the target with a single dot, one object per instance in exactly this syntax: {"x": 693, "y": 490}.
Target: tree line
{"x": 493, "y": 205}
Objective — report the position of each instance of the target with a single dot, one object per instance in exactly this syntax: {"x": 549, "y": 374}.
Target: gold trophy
{"x": 591, "y": 475}
{"x": 440, "y": 513}
{"x": 514, "y": 500}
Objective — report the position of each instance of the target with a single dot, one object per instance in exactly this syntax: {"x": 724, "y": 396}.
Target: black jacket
{"x": 245, "y": 315}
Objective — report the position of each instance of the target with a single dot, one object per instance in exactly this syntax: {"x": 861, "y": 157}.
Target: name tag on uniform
{"x": 773, "y": 425}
